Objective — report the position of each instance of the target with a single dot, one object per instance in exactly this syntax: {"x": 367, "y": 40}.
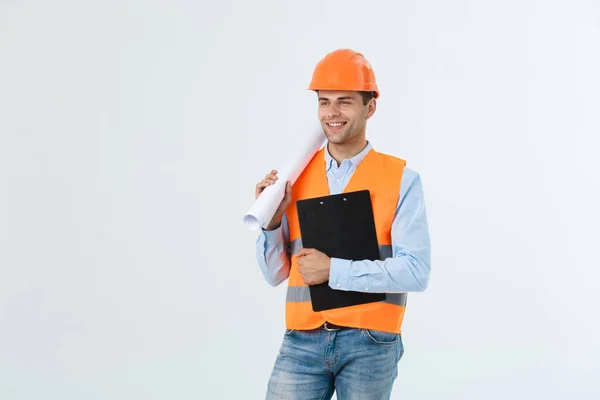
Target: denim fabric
{"x": 356, "y": 363}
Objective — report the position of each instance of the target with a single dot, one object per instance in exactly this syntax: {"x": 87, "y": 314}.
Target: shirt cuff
{"x": 338, "y": 273}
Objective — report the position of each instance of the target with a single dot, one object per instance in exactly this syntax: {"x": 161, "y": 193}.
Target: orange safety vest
{"x": 381, "y": 174}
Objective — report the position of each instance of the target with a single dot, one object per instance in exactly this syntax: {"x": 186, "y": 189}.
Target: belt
{"x": 333, "y": 327}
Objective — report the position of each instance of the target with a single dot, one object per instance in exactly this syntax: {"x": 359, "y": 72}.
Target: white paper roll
{"x": 264, "y": 207}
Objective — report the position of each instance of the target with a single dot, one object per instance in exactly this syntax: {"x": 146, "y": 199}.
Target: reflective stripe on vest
{"x": 381, "y": 174}
{"x": 385, "y": 250}
{"x": 302, "y": 293}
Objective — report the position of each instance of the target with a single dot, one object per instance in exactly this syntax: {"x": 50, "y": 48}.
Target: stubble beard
{"x": 337, "y": 138}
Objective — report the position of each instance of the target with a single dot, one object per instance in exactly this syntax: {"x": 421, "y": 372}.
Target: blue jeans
{"x": 356, "y": 363}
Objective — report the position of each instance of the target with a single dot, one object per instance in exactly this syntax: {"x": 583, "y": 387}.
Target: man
{"x": 351, "y": 350}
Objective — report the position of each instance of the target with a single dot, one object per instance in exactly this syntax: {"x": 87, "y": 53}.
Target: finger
{"x": 267, "y": 182}
{"x": 303, "y": 252}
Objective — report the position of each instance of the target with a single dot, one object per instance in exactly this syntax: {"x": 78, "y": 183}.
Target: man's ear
{"x": 371, "y": 108}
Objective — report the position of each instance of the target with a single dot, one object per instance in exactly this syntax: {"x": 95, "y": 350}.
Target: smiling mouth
{"x": 335, "y": 125}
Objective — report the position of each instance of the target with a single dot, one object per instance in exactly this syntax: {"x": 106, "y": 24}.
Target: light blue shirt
{"x": 407, "y": 270}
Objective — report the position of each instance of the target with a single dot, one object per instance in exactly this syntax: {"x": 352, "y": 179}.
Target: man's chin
{"x": 334, "y": 138}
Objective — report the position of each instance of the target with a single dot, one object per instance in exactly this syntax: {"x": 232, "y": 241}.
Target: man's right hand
{"x": 270, "y": 179}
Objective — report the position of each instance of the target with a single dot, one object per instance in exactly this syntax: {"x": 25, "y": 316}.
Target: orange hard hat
{"x": 344, "y": 69}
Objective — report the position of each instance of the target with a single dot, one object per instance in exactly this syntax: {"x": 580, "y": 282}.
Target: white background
{"x": 132, "y": 134}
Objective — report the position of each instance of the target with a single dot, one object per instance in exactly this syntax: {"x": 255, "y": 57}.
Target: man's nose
{"x": 333, "y": 110}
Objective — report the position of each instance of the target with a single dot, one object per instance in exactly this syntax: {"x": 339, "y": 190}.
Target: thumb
{"x": 303, "y": 252}
{"x": 288, "y": 190}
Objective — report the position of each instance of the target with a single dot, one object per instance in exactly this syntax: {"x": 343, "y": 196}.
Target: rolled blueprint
{"x": 264, "y": 207}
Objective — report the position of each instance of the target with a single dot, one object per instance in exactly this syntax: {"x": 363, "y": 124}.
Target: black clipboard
{"x": 341, "y": 226}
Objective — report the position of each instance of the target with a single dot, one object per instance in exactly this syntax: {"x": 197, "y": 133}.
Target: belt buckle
{"x": 330, "y": 329}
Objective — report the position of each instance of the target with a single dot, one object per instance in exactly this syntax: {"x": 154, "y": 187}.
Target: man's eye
{"x": 345, "y": 102}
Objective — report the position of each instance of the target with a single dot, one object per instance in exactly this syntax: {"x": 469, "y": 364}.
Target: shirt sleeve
{"x": 273, "y": 253}
{"x": 408, "y": 269}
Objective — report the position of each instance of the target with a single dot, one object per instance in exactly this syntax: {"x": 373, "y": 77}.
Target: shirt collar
{"x": 354, "y": 161}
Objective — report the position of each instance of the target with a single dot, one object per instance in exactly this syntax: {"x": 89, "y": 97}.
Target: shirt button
{"x": 367, "y": 289}
{"x": 338, "y": 285}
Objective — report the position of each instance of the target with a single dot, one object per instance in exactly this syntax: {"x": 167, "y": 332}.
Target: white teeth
{"x": 336, "y": 124}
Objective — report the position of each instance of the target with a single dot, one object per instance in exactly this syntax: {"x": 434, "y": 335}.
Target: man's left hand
{"x": 314, "y": 266}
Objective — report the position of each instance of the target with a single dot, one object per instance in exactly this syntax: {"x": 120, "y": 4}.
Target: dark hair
{"x": 366, "y": 96}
